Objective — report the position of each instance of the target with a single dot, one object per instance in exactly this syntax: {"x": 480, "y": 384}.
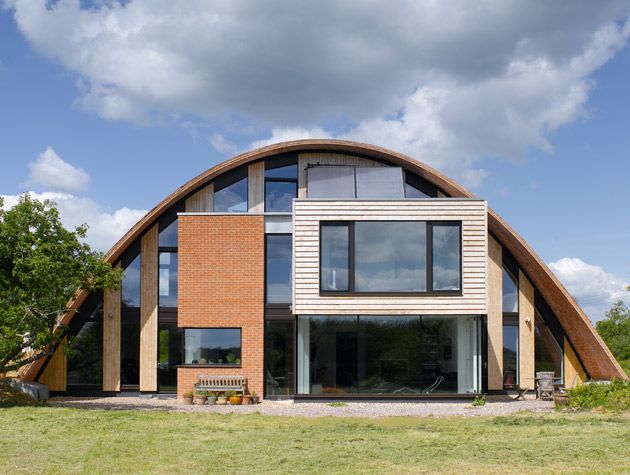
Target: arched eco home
{"x": 320, "y": 268}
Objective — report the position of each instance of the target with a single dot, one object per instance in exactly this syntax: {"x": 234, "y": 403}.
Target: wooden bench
{"x": 220, "y": 383}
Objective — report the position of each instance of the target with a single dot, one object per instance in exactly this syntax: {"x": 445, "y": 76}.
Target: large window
{"x": 510, "y": 328}
{"x": 279, "y": 372}
{"x": 409, "y": 355}
{"x": 390, "y": 256}
{"x": 212, "y": 346}
{"x": 548, "y": 353}
{"x": 280, "y": 188}
{"x": 130, "y": 288}
{"x": 168, "y": 279}
{"x": 85, "y": 362}
{"x": 130, "y": 349}
{"x": 278, "y": 268}
{"x": 169, "y": 354}
{"x": 230, "y": 192}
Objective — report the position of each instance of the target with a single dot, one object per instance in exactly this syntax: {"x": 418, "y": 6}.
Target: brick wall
{"x": 221, "y": 284}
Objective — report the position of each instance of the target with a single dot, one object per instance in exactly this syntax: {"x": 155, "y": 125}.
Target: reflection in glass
{"x": 510, "y": 354}
{"x": 212, "y": 346}
{"x": 232, "y": 198}
{"x": 510, "y": 292}
{"x": 278, "y": 268}
{"x": 169, "y": 356}
{"x": 413, "y": 192}
{"x": 547, "y": 351}
{"x": 279, "y": 196}
{"x": 85, "y": 363}
{"x": 390, "y": 256}
{"x": 288, "y": 172}
{"x": 279, "y": 357}
{"x": 334, "y": 257}
{"x": 130, "y": 287}
{"x": 446, "y": 257}
{"x": 168, "y": 236}
{"x": 130, "y": 349}
{"x": 168, "y": 279}
{"x": 389, "y": 355}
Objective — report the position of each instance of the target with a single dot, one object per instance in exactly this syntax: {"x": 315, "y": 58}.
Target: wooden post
{"x": 526, "y": 322}
{"x": 149, "y": 310}
{"x": 495, "y": 314}
{"x": 111, "y": 339}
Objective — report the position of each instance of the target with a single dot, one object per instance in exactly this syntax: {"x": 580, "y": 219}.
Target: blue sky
{"x": 525, "y": 105}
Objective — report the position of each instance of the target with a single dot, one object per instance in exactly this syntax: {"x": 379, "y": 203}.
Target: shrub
{"x": 479, "y": 401}
{"x": 614, "y": 396}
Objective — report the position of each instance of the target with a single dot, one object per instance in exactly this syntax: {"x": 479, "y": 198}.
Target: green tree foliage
{"x": 42, "y": 266}
{"x": 615, "y": 330}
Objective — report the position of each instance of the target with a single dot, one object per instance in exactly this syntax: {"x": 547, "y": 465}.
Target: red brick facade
{"x": 221, "y": 284}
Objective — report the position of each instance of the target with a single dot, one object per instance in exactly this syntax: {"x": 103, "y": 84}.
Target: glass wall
{"x": 232, "y": 198}
{"x": 169, "y": 355}
{"x": 212, "y": 346}
{"x": 280, "y": 188}
{"x": 130, "y": 287}
{"x": 85, "y": 362}
{"x": 168, "y": 235}
{"x": 547, "y": 352}
{"x": 279, "y": 351}
{"x": 410, "y": 355}
{"x": 168, "y": 279}
{"x": 278, "y": 268}
{"x": 130, "y": 349}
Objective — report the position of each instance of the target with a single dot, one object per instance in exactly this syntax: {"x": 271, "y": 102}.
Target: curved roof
{"x": 594, "y": 354}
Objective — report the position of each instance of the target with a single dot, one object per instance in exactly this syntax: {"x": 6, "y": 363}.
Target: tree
{"x": 615, "y": 330}
{"x": 42, "y": 267}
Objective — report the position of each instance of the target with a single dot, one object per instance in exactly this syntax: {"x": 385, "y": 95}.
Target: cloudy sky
{"x": 107, "y": 107}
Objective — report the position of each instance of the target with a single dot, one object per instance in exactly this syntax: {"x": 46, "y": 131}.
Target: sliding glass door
{"x": 381, "y": 355}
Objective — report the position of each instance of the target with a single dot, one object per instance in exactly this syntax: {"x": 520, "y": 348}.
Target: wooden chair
{"x": 545, "y": 385}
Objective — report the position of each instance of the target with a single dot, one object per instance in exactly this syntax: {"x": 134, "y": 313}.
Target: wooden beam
{"x": 201, "y": 201}
{"x": 526, "y": 360}
{"x": 256, "y": 187}
{"x": 148, "y": 310}
{"x": 495, "y": 314}
{"x": 111, "y": 340}
{"x": 574, "y": 374}
{"x": 56, "y": 373}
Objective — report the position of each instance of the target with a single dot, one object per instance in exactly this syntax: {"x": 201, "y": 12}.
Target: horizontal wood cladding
{"x": 309, "y": 213}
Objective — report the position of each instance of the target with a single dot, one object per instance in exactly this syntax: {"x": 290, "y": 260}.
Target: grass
{"x": 45, "y": 439}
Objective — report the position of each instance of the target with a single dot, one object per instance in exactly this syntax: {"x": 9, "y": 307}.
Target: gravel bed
{"x": 499, "y": 406}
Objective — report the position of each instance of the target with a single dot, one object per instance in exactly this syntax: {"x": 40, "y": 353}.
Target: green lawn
{"x": 63, "y": 440}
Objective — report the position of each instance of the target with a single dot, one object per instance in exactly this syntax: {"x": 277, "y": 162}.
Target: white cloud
{"x": 449, "y": 83}
{"x": 50, "y": 172}
{"x": 594, "y": 289}
{"x": 106, "y": 227}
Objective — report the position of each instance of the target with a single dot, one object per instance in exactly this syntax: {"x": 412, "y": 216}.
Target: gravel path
{"x": 496, "y": 406}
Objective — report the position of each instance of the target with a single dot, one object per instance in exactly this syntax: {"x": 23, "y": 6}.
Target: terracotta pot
{"x": 187, "y": 401}
{"x": 247, "y": 400}
{"x": 236, "y": 400}
{"x": 221, "y": 400}
{"x": 200, "y": 400}
{"x": 561, "y": 399}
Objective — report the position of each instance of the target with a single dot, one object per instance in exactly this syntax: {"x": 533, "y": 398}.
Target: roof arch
{"x": 595, "y": 355}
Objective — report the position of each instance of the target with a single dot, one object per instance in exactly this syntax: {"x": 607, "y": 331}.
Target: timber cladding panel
{"x": 526, "y": 344}
{"x": 202, "y": 200}
{"x": 221, "y": 285}
{"x": 495, "y": 314}
{"x": 307, "y": 217}
{"x": 256, "y": 187}
{"x": 148, "y": 310}
{"x": 56, "y": 373}
{"x": 111, "y": 340}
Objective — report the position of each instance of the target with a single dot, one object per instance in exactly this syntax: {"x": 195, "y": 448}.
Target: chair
{"x": 545, "y": 385}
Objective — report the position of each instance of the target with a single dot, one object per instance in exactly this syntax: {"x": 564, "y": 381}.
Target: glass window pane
{"x": 510, "y": 292}
{"x": 168, "y": 235}
{"x": 510, "y": 355}
{"x": 130, "y": 288}
{"x": 279, "y": 196}
{"x": 289, "y": 171}
{"x": 279, "y": 357}
{"x": 169, "y": 356}
{"x": 212, "y": 346}
{"x": 547, "y": 351}
{"x": 85, "y": 363}
{"x": 334, "y": 258}
{"x": 413, "y": 192}
{"x": 446, "y": 257}
{"x": 168, "y": 279}
{"x": 379, "y": 183}
{"x": 232, "y": 198}
{"x": 130, "y": 348}
{"x": 278, "y": 268}
{"x": 390, "y": 256}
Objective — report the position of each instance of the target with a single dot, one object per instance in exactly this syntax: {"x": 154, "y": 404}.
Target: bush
{"x": 614, "y": 396}
{"x": 479, "y": 401}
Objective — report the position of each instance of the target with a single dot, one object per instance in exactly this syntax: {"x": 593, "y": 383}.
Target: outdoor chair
{"x": 545, "y": 385}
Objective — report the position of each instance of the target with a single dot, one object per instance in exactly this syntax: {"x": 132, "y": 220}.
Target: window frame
{"x": 208, "y": 365}
{"x": 428, "y": 259}
{"x": 279, "y": 305}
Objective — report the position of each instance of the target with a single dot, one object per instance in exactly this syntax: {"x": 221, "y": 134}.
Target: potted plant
{"x": 247, "y": 399}
{"x": 200, "y": 398}
{"x": 212, "y": 398}
{"x": 188, "y": 398}
{"x": 234, "y": 398}
{"x": 254, "y": 397}
{"x": 221, "y": 399}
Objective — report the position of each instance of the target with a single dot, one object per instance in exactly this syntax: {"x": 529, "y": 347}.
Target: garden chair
{"x": 545, "y": 385}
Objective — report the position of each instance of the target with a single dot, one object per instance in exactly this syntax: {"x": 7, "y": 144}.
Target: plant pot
{"x": 221, "y": 400}
{"x": 211, "y": 400}
{"x": 247, "y": 400}
{"x": 200, "y": 400}
{"x": 187, "y": 401}
{"x": 236, "y": 400}
{"x": 561, "y": 399}
{"x": 255, "y": 400}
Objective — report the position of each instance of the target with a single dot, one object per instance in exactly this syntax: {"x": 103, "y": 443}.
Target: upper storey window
{"x": 130, "y": 288}
{"x": 230, "y": 192}
{"x": 390, "y": 257}
{"x": 168, "y": 236}
{"x": 510, "y": 292}
{"x": 280, "y": 188}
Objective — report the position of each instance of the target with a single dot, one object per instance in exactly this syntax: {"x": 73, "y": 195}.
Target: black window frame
{"x": 208, "y": 365}
{"x": 429, "y": 261}
{"x": 277, "y": 305}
